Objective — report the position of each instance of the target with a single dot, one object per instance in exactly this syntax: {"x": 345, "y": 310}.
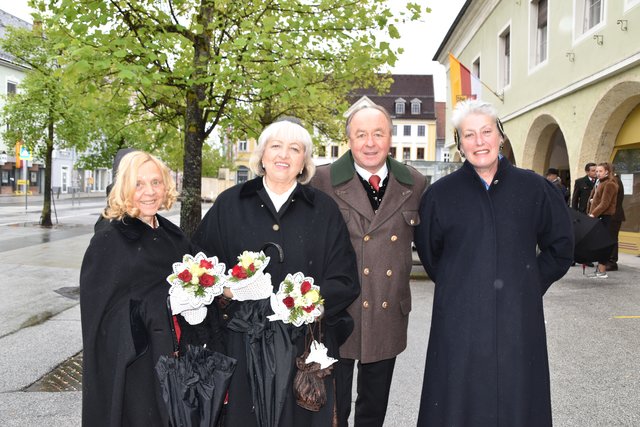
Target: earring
{"x": 501, "y": 145}
{"x": 301, "y": 170}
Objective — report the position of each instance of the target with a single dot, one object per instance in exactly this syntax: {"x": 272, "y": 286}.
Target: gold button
{"x": 365, "y": 304}
{"x": 385, "y": 304}
{"x": 366, "y": 271}
{"x": 225, "y": 316}
{"x": 276, "y": 227}
{"x": 389, "y": 273}
{"x": 367, "y": 238}
{"x": 394, "y": 238}
{"x": 412, "y": 222}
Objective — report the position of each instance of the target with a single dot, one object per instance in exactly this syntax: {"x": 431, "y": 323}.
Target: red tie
{"x": 374, "y": 180}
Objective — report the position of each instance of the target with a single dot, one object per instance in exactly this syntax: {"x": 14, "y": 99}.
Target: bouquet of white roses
{"x": 195, "y": 282}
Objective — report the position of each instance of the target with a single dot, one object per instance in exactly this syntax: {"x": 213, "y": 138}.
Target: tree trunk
{"x": 191, "y": 209}
{"x": 48, "y": 162}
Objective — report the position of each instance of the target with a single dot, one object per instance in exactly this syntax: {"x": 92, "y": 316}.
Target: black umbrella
{"x": 593, "y": 241}
{"x": 270, "y": 352}
{"x": 194, "y": 384}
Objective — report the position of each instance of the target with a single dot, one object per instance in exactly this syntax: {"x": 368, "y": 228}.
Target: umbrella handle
{"x": 278, "y": 247}
{"x": 172, "y": 328}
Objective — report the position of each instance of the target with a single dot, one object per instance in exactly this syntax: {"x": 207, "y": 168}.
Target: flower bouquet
{"x": 247, "y": 279}
{"x": 298, "y": 301}
{"x": 195, "y": 282}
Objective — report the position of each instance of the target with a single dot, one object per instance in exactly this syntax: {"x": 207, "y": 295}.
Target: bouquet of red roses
{"x": 298, "y": 301}
{"x": 195, "y": 282}
{"x": 247, "y": 279}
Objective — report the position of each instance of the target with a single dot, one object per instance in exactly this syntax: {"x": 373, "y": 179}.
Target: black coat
{"x": 581, "y": 190}
{"x": 487, "y": 355}
{"x": 125, "y": 320}
{"x": 315, "y": 241}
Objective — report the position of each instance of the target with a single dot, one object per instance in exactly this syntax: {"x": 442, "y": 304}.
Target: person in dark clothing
{"x": 615, "y": 224}
{"x": 116, "y": 162}
{"x": 123, "y": 299}
{"x": 582, "y": 188}
{"x": 492, "y": 251}
{"x": 279, "y": 208}
{"x": 582, "y": 191}
{"x": 553, "y": 176}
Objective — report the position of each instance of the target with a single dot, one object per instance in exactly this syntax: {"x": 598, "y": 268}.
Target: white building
{"x": 410, "y": 102}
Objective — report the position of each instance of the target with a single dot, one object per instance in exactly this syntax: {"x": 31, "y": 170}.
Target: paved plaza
{"x": 592, "y": 327}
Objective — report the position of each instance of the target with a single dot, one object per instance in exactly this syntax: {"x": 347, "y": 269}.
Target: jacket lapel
{"x": 354, "y": 195}
{"x": 348, "y": 188}
{"x": 395, "y": 196}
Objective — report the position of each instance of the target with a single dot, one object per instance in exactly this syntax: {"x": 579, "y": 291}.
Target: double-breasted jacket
{"x": 382, "y": 242}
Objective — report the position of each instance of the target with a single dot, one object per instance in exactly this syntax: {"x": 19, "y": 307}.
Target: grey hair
{"x": 364, "y": 107}
{"x": 285, "y": 130}
{"x": 471, "y": 106}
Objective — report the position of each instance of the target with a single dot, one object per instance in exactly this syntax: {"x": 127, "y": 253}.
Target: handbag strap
{"x": 310, "y": 335}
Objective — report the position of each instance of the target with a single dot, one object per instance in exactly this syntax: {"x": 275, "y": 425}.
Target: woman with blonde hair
{"x": 126, "y": 325}
{"x": 602, "y": 205}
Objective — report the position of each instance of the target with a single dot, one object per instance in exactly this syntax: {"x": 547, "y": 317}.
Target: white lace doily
{"x": 183, "y": 300}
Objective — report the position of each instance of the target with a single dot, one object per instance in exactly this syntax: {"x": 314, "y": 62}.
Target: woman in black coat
{"x": 492, "y": 250}
{"x": 278, "y": 207}
{"x": 123, "y": 299}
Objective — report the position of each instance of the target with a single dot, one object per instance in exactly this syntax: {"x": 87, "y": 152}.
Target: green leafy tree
{"x": 46, "y": 110}
{"x": 196, "y": 59}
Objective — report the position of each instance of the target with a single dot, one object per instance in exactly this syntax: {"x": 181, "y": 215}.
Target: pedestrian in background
{"x": 582, "y": 191}
{"x": 617, "y": 219}
{"x": 492, "y": 251}
{"x": 582, "y": 188}
{"x": 553, "y": 176}
{"x": 603, "y": 206}
{"x": 378, "y": 197}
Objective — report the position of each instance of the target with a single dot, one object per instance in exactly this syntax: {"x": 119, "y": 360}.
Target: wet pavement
{"x": 591, "y": 327}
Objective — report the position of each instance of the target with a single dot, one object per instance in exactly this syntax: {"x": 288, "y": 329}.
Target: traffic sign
{"x": 23, "y": 182}
{"x": 24, "y": 153}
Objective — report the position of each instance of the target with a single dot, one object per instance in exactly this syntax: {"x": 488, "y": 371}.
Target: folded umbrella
{"x": 194, "y": 385}
{"x": 593, "y": 241}
{"x": 270, "y": 351}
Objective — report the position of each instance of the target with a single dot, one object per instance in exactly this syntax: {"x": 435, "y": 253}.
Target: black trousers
{"x": 606, "y": 221}
{"x": 614, "y": 228}
{"x": 373, "y": 384}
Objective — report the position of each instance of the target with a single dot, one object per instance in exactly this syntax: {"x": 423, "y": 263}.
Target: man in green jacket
{"x": 378, "y": 197}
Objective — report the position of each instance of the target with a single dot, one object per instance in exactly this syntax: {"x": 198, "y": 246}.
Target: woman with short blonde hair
{"x": 126, "y": 324}
{"x": 120, "y": 200}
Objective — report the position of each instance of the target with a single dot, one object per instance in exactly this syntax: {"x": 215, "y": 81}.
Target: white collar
{"x": 278, "y": 199}
{"x": 365, "y": 174}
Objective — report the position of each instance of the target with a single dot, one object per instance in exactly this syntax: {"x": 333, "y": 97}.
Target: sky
{"x": 419, "y": 39}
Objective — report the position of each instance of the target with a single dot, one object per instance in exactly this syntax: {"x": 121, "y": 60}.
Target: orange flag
{"x": 464, "y": 85}
{"x": 18, "y": 161}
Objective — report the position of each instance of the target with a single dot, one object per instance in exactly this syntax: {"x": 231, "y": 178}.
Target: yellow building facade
{"x": 565, "y": 78}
